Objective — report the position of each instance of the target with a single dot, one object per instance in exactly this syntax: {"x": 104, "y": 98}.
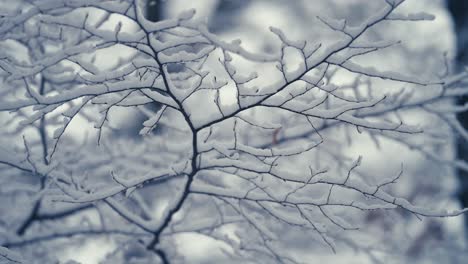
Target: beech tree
{"x": 250, "y": 149}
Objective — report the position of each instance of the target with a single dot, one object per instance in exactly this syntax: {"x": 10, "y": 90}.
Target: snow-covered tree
{"x": 251, "y": 153}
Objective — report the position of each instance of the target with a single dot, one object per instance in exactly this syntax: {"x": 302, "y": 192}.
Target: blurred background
{"x": 429, "y": 47}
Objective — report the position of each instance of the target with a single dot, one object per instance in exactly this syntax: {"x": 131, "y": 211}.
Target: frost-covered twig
{"x": 203, "y": 150}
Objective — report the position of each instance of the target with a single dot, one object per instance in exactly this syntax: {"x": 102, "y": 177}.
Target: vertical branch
{"x": 157, "y": 234}
{"x": 42, "y": 128}
{"x": 167, "y": 220}
{"x": 43, "y": 137}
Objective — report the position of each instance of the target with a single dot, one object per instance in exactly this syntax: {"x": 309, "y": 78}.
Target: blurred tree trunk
{"x": 154, "y": 10}
{"x": 459, "y": 12}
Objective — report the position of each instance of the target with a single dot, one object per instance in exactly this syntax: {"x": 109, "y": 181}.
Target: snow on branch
{"x": 10, "y": 256}
{"x": 252, "y": 141}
